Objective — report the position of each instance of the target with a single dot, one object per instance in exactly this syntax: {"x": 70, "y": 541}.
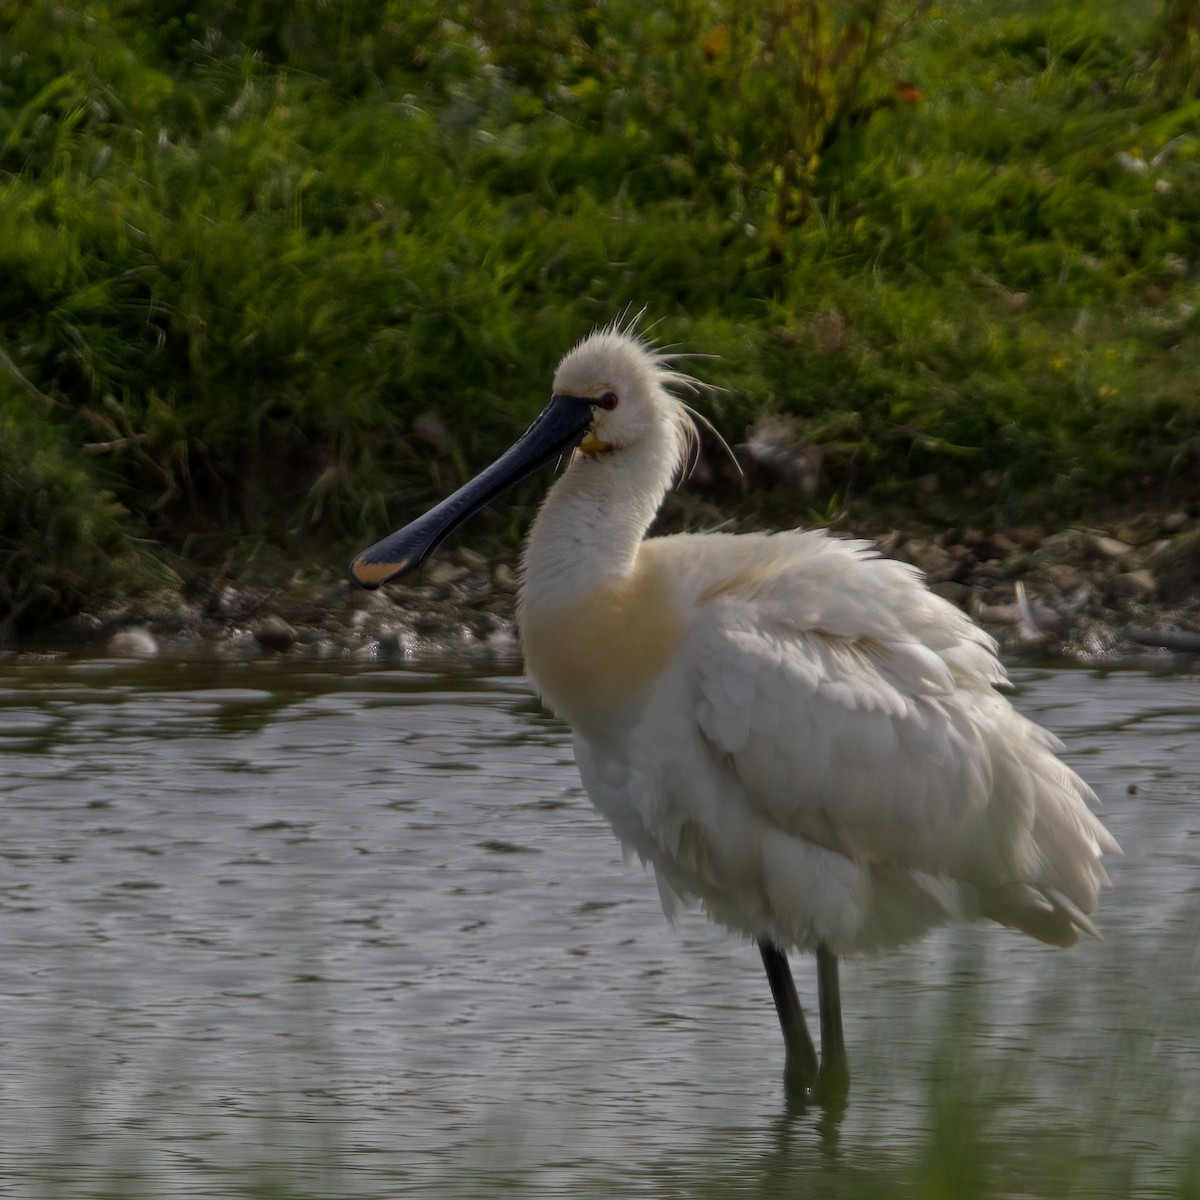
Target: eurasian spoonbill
{"x": 792, "y": 730}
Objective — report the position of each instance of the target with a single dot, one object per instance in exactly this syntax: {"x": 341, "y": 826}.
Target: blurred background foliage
{"x": 246, "y": 245}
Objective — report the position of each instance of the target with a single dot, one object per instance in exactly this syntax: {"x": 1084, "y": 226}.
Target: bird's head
{"x": 625, "y": 380}
{"x": 610, "y": 396}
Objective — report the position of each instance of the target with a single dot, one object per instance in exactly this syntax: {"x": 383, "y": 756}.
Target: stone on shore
{"x": 135, "y": 642}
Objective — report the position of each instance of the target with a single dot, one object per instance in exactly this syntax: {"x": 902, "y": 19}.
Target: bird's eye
{"x": 608, "y": 400}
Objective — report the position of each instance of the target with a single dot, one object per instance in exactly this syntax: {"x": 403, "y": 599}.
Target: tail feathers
{"x": 672, "y": 903}
{"x": 1041, "y": 912}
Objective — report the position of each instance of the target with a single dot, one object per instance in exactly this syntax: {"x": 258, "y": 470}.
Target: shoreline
{"x": 1080, "y": 594}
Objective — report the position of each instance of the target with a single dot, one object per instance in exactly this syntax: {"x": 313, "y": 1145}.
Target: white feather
{"x": 795, "y": 732}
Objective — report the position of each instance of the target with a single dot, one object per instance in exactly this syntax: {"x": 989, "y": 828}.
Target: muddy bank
{"x": 1127, "y": 591}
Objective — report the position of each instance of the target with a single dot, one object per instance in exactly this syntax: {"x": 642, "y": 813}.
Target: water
{"x": 354, "y": 930}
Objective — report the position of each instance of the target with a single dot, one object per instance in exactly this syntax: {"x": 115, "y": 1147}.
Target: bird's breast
{"x": 595, "y": 658}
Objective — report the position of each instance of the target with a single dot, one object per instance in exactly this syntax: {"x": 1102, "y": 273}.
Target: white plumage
{"x": 793, "y": 731}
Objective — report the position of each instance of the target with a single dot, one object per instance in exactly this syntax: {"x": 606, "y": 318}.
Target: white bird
{"x": 794, "y": 732}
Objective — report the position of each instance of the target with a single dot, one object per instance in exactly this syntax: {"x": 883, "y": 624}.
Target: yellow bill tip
{"x": 369, "y": 574}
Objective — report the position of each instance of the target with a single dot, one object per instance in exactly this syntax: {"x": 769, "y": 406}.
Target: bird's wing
{"x": 842, "y": 723}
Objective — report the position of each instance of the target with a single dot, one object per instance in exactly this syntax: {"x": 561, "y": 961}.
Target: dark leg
{"x": 833, "y": 1079}
{"x": 800, "y": 1071}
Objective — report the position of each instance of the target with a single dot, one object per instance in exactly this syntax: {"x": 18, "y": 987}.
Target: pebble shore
{"x": 1080, "y": 594}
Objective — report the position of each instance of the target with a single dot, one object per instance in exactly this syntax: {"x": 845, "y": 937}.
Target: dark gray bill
{"x": 561, "y": 424}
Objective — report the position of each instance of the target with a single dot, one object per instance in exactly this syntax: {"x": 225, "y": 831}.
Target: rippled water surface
{"x": 357, "y": 930}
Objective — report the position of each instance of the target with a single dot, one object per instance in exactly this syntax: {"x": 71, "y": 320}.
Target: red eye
{"x": 608, "y": 400}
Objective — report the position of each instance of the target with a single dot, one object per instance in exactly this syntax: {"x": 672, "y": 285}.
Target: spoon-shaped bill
{"x": 560, "y": 426}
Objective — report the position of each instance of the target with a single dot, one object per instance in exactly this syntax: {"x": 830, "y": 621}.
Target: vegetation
{"x": 1055, "y": 1111}
{"x": 245, "y": 245}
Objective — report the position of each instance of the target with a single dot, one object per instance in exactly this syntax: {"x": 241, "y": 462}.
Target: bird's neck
{"x": 589, "y": 529}
{"x": 596, "y": 616}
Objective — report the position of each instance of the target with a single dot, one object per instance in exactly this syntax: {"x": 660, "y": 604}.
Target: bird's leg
{"x": 833, "y": 1079}
{"x": 800, "y": 1071}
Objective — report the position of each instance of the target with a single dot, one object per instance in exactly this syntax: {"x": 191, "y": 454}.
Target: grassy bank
{"x": 245, "y": 246}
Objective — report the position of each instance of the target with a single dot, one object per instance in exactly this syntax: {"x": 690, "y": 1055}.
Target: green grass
{"x": 245, "y": 245}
